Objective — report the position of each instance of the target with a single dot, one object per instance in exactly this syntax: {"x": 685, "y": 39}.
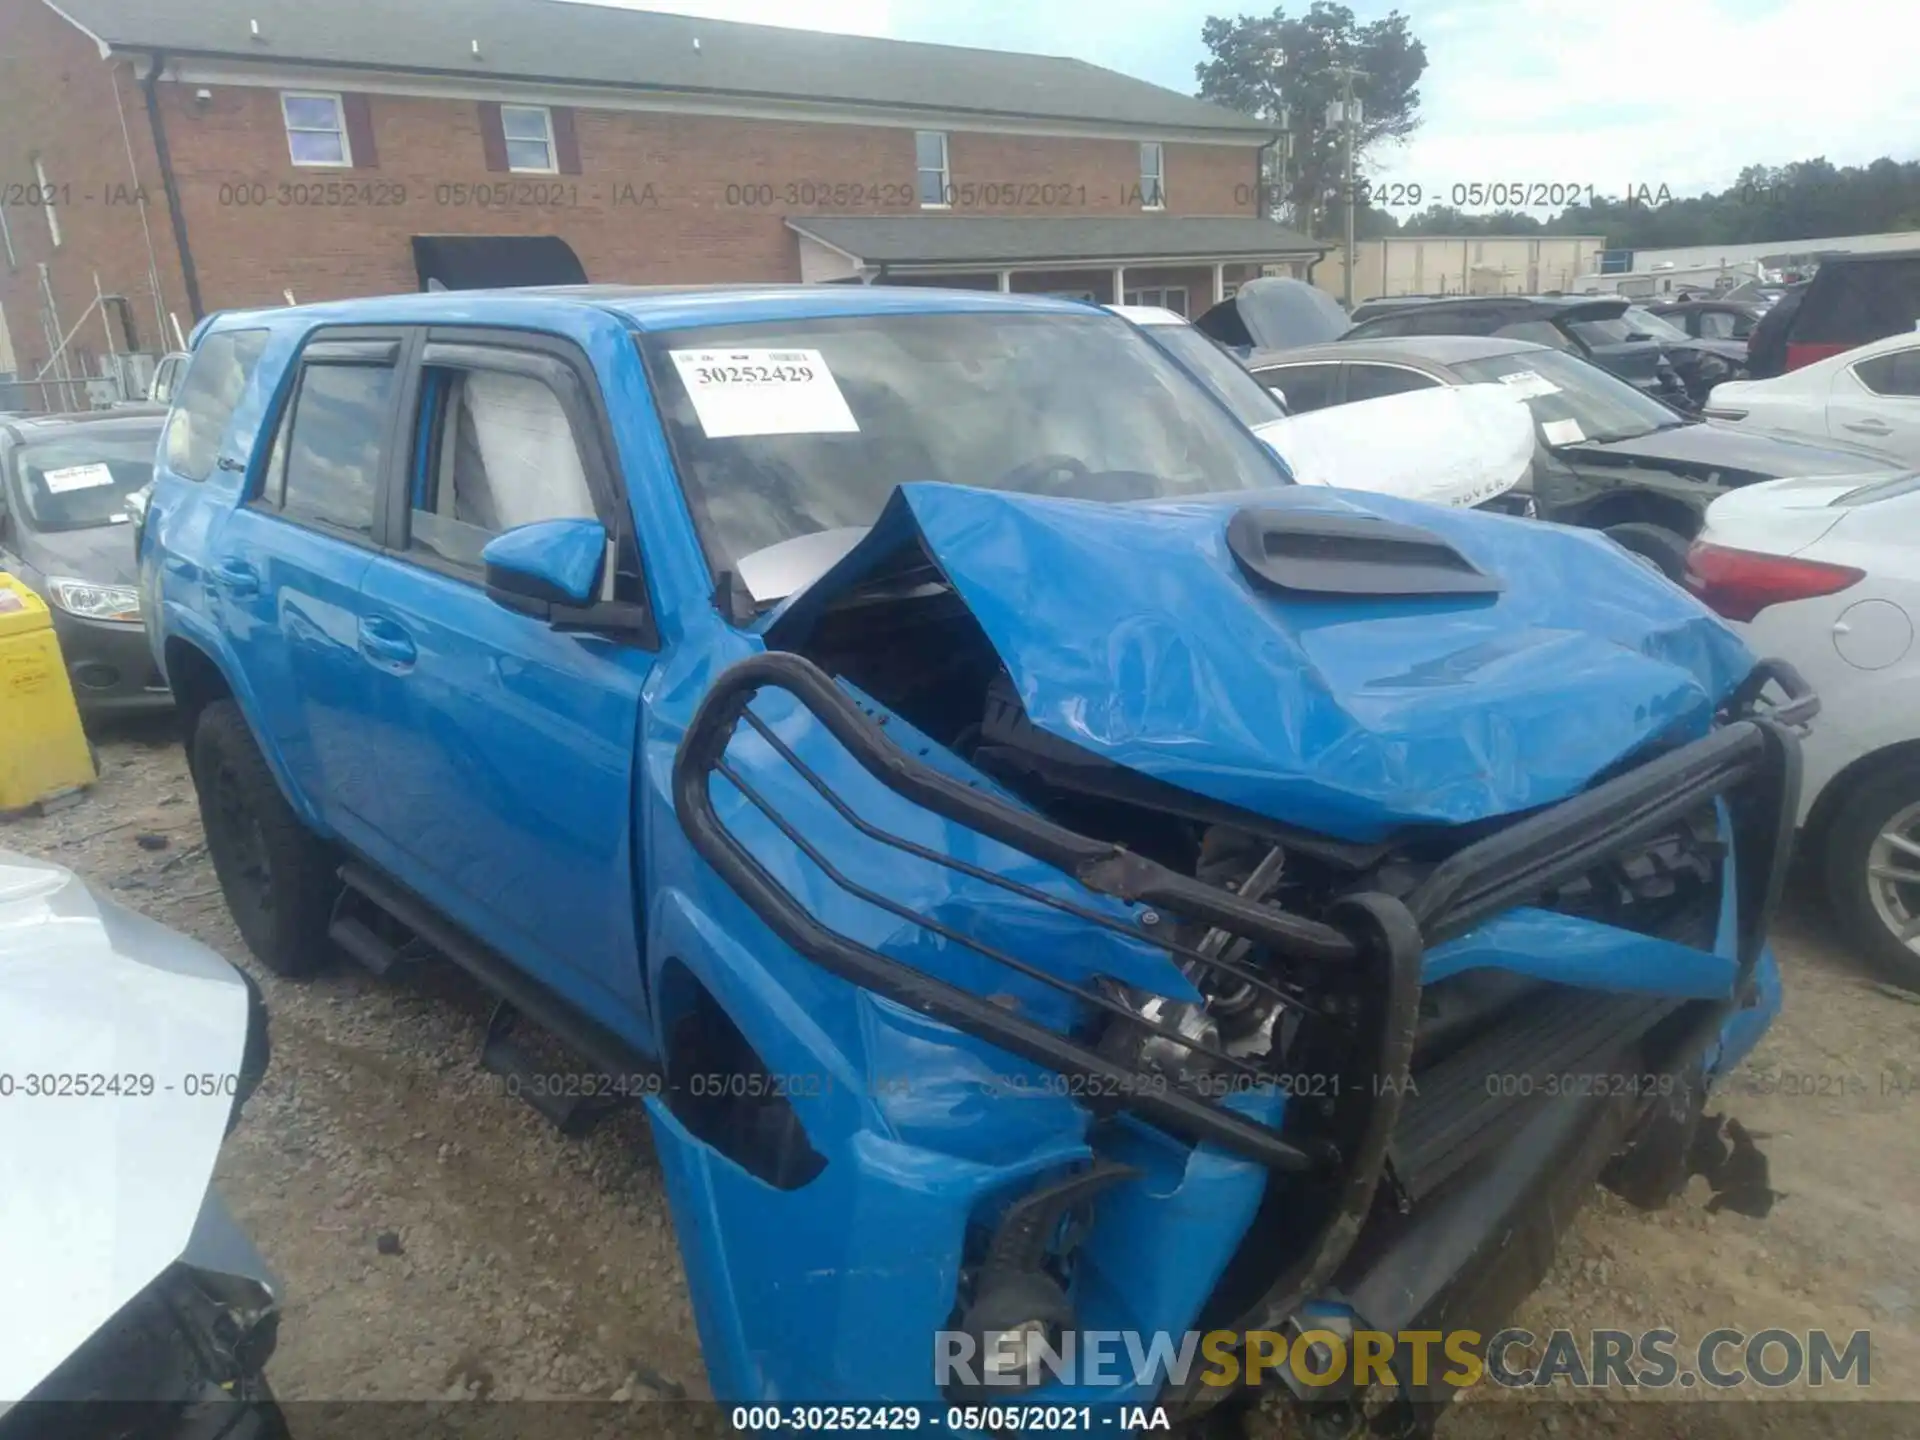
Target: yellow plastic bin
{"x": 43, "y": 751}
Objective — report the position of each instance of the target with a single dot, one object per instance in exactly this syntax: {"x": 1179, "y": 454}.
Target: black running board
{"x": 622, "y": 1068}
{"x": 1565, "y": 1042}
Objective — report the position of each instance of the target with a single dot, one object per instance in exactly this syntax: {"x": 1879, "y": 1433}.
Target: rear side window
{"x": 1850, "y": 304}
{"x": 1371, "y": 382}
{"x": 1894, "y": 374}
{"x": 327, "y": 460}
{"x": 1303, "y": 387}
{"x": 216, "y": 379}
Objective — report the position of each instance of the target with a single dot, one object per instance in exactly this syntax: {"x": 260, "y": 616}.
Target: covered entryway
{"x": 489, "y": 262}
{"x": 1185, "y": 263}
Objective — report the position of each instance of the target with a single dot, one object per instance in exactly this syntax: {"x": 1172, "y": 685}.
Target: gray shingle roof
{"x": 988, "y": 240}
{"x": 606, "y": 45}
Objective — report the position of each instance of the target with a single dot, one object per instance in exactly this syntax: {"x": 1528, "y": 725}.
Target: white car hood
{"x": 1462, "y": 445}
{"x": 99, "y": 1192}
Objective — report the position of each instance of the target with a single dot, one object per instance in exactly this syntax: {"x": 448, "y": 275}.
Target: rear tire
{"x": 1666, "y": 549}
{"x": 278, "y": 877}
{"x": 1873, "y": 842}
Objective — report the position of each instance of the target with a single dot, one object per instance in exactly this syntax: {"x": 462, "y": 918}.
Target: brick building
{"x": 182, "y": 156}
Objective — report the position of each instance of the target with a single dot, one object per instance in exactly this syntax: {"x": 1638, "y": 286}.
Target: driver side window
{"x": 496, "y": 451}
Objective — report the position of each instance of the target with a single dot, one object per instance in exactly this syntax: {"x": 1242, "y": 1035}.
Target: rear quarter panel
{"x": 186, "y": 521}
{"x": 1862, "y": 711}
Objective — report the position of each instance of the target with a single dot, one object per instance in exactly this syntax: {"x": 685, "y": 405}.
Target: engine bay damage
{"x": 1385, "y": 1022}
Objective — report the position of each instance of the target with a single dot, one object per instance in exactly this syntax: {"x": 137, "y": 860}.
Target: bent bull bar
{"x": 1752, "y": 760}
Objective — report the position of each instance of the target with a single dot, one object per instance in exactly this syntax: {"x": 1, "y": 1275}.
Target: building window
{"x": 930, "y": 154}
{"x": 1153, "y": 176}
{"x": 529, "y": 135}
{"x": 1168, "y": 297}
{"x": 46, "y": 199}
{"x": 316, "y": 128}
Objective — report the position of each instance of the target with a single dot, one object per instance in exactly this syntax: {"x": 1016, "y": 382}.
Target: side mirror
{"x": 533, "y": 568}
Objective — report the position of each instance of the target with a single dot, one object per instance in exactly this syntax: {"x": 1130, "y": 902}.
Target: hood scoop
{"x": 1321, "y": 554}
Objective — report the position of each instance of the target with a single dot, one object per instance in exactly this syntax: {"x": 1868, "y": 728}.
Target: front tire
{"x": 279, "y": 879}
{"x": 1872, "y": 867}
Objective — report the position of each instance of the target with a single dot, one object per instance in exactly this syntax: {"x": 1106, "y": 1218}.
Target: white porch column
{"x": 1219, "y": 281}
{"x": 1006, "y": 282}
{"x": 1119, "y": 284}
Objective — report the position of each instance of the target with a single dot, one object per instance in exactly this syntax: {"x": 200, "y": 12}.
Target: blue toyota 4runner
{"x": 1045, "y": 874}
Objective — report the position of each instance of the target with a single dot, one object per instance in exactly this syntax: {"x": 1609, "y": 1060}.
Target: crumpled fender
{"x": 1130, "y": 631}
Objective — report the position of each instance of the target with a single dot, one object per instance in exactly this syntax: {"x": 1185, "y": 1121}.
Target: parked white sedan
{"x": 1825, "y": 574}
{"x": 1867, "y": 396}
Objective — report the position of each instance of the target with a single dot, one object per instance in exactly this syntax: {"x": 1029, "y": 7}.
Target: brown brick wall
{"x": 660, "y": 198}
{"x": 59, "y": 100}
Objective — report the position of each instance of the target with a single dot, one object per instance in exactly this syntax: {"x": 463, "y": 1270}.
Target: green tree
{"x": 1275, "y": 65}
{"x": 1808, "y": 199}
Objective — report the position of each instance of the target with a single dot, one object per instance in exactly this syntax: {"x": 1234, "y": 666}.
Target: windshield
{"x": 84, "y": 480}
{"x": 1251, "y": 402}
{"x": 1572, "y": 400}
{"x": 790, "y": 428}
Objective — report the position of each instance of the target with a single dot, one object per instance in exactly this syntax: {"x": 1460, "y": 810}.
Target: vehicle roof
{"x": 25, "y": 428}
{"x": 647, "y": 308}
{"x": 1718, "y": 302}
{"x": 1433, "y": 349}
{"x": 1148, "y": 314}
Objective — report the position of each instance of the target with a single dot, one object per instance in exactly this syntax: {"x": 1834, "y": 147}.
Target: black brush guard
{"x": 1751, "y": 760}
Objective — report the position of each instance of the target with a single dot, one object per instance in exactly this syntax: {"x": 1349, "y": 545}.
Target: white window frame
{"x": 1162, "y": 294}
{"x": 1153, "y": 183}
{"x": 507, "y": 141}
{"x": 46, "y": 199}
{"x": 946, "y": 170}
{"x": 345, "y": 162}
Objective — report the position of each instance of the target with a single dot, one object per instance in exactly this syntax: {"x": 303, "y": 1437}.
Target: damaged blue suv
{"x": 1043, "y": 873}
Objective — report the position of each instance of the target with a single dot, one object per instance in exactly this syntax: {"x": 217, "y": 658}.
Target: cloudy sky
{"x": 1680, "y": 93}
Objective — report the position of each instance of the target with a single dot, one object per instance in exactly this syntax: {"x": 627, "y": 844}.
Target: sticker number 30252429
{"x": 763, "y": 392}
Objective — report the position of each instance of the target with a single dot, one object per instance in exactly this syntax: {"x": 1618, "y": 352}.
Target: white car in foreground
{"x": 1866, "y": 396}
{"x": 126, "y": 1054}
{"x": 1825, "y": 574}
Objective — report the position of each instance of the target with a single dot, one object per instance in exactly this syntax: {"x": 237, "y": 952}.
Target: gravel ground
{"x": 440, "y": 1241}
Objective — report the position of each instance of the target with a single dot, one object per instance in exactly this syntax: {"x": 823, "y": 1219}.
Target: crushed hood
{"x": 1132, "y": 632}
{"x": 99, "y": 1191}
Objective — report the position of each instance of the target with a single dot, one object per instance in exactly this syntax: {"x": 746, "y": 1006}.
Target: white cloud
{"x": 1680, "y": 93}
{"x": 846, "y": 17}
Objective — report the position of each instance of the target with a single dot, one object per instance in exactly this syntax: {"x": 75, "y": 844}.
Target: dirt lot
{"x": 440, "y": 1241}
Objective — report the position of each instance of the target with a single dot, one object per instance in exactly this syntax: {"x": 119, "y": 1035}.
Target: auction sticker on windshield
{"x": 1562, "y": 432}
{"x": 1529, "y": 383}
{"x": 77, "y": 477}
{"x": 763, "y": 392}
